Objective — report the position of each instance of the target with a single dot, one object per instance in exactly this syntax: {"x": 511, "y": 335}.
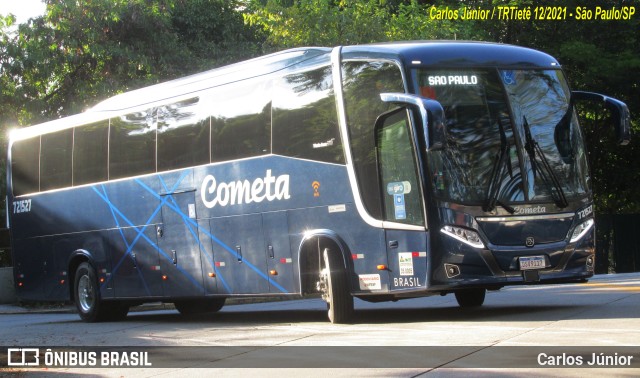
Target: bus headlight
{"x": 581, "y": 230}
{"x": 464, "y": 235}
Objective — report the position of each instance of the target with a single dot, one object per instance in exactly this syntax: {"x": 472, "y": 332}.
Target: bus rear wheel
{"x": 90, "y": 305}
{"x": 334, "y": 286}
{"x": 193, "y": 307}
{"x": 468, "y": 298}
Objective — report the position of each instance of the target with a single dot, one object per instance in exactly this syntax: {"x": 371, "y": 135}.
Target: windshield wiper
{"x": 498, "y": 167}
{"x": 546, "y": 172}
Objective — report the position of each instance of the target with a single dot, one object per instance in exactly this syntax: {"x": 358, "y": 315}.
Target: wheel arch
{"x": 77, "y": 257}
{"x": 310, "y": 254}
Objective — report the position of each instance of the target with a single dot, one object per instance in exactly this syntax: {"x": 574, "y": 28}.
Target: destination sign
{"x": 436, "y": 80}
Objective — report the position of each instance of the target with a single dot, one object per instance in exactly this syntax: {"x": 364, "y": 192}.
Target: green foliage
{"x": 331, "y": 22}
{"x": 83, "y": 51}
{"x": 600, "y": 56}
{"x": 214, "y": 32}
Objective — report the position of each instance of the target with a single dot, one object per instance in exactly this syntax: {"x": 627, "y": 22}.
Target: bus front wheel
{"x": 470, "y": 297}
{"x": 334, "y": 288}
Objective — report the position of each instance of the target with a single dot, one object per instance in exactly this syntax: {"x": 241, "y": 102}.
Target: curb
{"x": 69, "y": 308}
{"x": 15, "y": 309}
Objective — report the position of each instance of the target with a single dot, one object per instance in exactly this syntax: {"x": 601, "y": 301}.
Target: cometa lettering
{"x": 530, "y": 210}
{"x": 240, "y": 192}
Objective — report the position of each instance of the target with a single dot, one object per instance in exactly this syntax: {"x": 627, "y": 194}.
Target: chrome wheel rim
{"x": 86, "y": 298}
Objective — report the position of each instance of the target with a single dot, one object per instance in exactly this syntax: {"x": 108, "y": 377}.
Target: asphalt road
{"x": 505, "y": 337}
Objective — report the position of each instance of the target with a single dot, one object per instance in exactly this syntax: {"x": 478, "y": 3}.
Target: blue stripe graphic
{"x": 124, "y": 239}
{"x": 140, "y": 233}
{"x": 185, "y": 218}
{"x": 215, "y": 239}
{"x": 191, "y": 225}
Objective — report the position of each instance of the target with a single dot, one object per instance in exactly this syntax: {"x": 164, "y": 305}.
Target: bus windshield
{"x": 512, "y": 136}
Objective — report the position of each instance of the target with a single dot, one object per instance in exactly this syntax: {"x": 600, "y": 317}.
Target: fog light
{"x": 590, "y": 261}
{"x": 451, "y": 270}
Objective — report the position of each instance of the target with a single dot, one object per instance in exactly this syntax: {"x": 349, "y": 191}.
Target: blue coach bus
{"x": 380, "y": 172}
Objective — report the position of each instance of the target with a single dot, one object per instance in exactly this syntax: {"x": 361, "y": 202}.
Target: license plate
{"x": 532, "y": 262}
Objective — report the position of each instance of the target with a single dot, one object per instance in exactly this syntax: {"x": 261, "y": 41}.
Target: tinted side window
{"x": 90, "y": 153}
{"x": 55, "y": 159}
{"x": 240, "y": 120}
{"x": 132, "y": 145}
{"x": 25, "y": 166}
{"x": 305, "y": 121}
{"x": 363, "y": 83}
{"x": 183, "y": 135}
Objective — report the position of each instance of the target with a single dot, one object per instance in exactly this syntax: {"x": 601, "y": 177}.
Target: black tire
{"x": 468, "y": 298}
{"x": 193, "y": 307}
{"x": 336, "y": 288}
{"x": 86, "y": 292}
{"x": 117, "y": 310}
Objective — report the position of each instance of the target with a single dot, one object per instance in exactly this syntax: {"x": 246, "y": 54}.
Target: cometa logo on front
{"x": 530, "y": 210}
{"x": 269, "y": 188}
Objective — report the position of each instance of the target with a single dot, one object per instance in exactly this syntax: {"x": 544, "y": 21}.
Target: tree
{"x": 81, "y": 52}
{"x": 597, "y": 57}
{"x": 344, "y": 22}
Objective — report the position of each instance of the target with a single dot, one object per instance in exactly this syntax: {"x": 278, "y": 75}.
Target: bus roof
{"x": 212, "y": 78}
{"x": 458, "y": 54}
{"x": 172, "y": 89}
{"x": 414, "y": 53}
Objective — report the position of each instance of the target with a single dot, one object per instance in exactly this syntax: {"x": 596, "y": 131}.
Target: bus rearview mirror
{"x": 619, "y": 113}
{"x": 431, "y": 114}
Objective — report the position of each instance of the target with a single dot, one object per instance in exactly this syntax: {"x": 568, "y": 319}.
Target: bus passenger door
{"x": 402, "y": 200}
{"x": 279, "y": 260}
{"x": 179, "y": 247}
{"x": 239, "y": 254}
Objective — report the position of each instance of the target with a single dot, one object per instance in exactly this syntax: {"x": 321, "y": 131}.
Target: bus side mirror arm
{"x": 619, "y": 110}
{"x": 432, "y": 115}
